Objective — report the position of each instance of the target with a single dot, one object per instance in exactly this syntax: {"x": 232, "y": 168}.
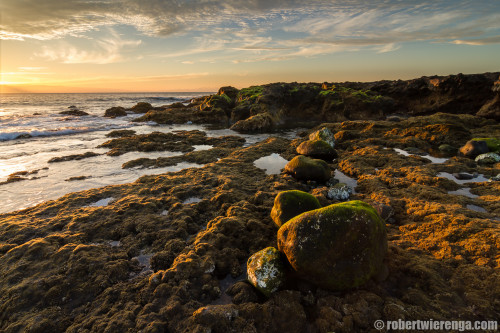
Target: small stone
{"x": 488, "y": 158}
{"x": 266, "y": 271}
{"x": 340, "y": 192}
{"x": 463, "y": 175}
{"x": 323, "y": 134}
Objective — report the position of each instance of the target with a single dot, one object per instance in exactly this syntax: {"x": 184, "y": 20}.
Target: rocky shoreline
{"x": 168, "y": 253}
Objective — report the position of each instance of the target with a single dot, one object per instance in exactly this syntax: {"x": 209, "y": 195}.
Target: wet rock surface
{"x": 68, "y": 266}
{"x": 289, "y": 204}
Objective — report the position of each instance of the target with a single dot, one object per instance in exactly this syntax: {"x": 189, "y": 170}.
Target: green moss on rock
{"x": 317, "y": 149}
{"x": 336, "y": 247}
{"x": 289, "y": 204}
{"x": 266, "y": 271}
{"x": 305, "y": 168}
{"x": 492, "y": 143}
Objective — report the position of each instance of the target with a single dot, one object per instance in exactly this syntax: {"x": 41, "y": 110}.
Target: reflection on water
{"x": 272, "y": 163}
{"x": 343, "y": 178}
{"x": 437, "y": 160}
{"x": 479, "y": 178}
{"x": 465, "y": 192}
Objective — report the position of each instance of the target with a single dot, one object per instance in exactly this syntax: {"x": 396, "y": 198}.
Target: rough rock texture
{"x": 141, "y": 107}
{"x": 63, "y": 270}
{"x": 262, "y": 122}
{"x": 289, "y": 204}
{"x": 339, "y": 192}
{"x": 492, "y": 143}
{"x": 491, "y": 109}
{"x": 73, "y": 157}
{"x": 336, "y": 247}
{"x": 266, "y": 270}
{"x": 323, "y": 134}
{"x": 305, "y": 168}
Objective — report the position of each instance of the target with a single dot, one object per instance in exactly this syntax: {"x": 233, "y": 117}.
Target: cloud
{"x": 478, "y": 41}
{"x": 250, "y": 30}
{"x": 105, "y": 51}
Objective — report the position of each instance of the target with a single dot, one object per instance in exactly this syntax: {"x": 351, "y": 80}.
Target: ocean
{"x": 32, "y": 131}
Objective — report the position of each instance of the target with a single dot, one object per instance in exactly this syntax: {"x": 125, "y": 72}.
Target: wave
{"x": 27, "y": 134}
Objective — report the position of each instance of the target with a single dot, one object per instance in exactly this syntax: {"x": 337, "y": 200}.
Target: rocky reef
{"x": 169, "y": 253}
{"x": 280, "y": 105}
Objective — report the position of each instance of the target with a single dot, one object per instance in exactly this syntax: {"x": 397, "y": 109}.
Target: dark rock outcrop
{"x": 289, "y": 204}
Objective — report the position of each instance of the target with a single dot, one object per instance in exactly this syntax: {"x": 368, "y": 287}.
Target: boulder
{"x": 266, "y": 270}
{"x": 262, "y": 122}
{"x": 488, "y": 158}
{"x": 340, "y": 192}
{"x": 305, "y": 168}
{"x": 337, "y": 247}
{"x": 141, "y": 107}
{"x": 317, "y": 149}
{"x": 115, "y": 111}
{"x": 474, "y": 148}
{"x": 289, "y": 204}
{"x": 323, "y": 134}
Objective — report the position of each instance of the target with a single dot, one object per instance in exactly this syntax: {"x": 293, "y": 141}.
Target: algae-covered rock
{"x": 261, "y": 122}
{"x": 340, "y": 192}
{"x": 323, "y": 134}
{"x": 289, "y": 204}
{"x": 492, "y": 143}
{"x": 337, "y": 247}
{"x": 317, "y": 149}
{"x": 266, "y": 271}
{"x": 488, "y": 158}
{"x": 305, "y": 168}
{"x": 474, "y": 148}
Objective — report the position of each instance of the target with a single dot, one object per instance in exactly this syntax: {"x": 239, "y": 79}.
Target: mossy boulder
{"x": 488, "y": 158}
{"x": 474, "y": 148}
{"x": 289, "y": 204}
{"x": 492, "y": 143}
{"x": 323, "y": 134}
{"x": 266, "y": 270}
{"x": 337, "y": 247}
{"x": 317, "y": 148}
{"x": 305, "y": 168}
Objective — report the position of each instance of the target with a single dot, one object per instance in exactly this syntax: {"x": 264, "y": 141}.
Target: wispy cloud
{"x": 478, "y": 41}
{"x": 106, "y": 50}
{"x": 250, "y": 30}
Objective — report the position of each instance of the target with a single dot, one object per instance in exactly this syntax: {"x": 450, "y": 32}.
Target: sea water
{"x": 32, "y": 131}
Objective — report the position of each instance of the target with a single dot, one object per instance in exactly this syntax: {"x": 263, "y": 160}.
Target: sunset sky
{"x": 167, "y": 45}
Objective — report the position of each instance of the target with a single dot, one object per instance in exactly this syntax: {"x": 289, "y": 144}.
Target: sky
{"x": 168, "y": 45}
